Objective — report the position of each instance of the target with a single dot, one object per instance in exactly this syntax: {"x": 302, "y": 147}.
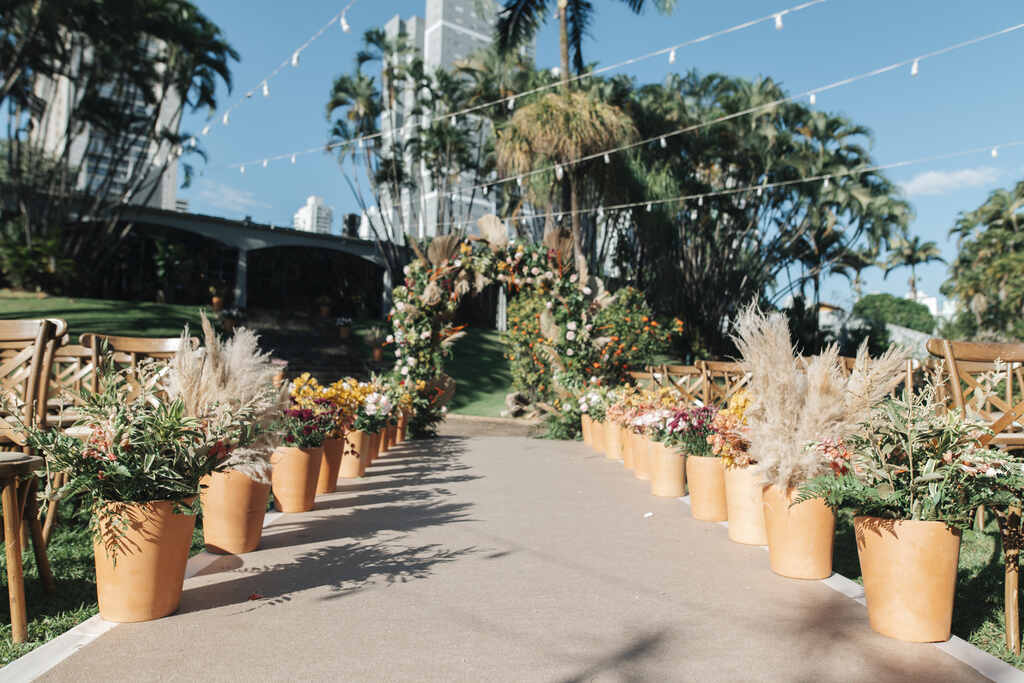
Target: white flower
{"x": 406, "y": 270}
{"x": 412, "y": 362}
{"x": 405, "y": 371}
{"x": 583, "y": 408}
{"x": 570, "y": 335}
{"x": 444, "y": 410}
{"x": 391, "y": 339}
{"x": 589, "y": 327}
{"x": 571, "y": 325}
{"x": 569, "y": 352}
{"x": 398, "y": 352}
{"x": 535, "y": 271}
{"x": 587, "y": 291}
{"x": 992, "y": 472}
{"x": 549, "y": 275}
{"x": 425, "y": 336}
{"x": 574, "y": 277}
{"x": 457, "y": 262}
{"x": 549, "y": 305}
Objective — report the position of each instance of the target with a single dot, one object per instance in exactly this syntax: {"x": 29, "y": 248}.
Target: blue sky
{"x": 969, "y": 98}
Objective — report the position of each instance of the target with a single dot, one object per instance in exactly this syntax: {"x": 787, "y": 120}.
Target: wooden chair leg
{"x": 51, "y": 511}
{"x": 38, "y": 544}
{"x": 15, "y": 575}
{"x": 979, "y": 518}
{"x": 1009, "y": 526}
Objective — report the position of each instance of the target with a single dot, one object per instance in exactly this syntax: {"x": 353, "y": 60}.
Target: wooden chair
{"x": 644, "y": 379}
{"x": 722, "y": 379}
{"x": 26, "y": 352}
{"x": 964, "y": 363}
{"x": 128, "y": 353}
{"x": 688, "y": 381}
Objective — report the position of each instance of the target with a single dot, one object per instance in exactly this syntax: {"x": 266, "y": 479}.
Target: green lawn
{"x": 481, "y": 372}
{"x": 129, "y": 318}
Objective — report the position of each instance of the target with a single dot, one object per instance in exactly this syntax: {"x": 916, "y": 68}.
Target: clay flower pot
{"x": 597, "y": 431}
{"x": 800, "y": 537}
{"x": 641, "y": 461}
{"x": 706, "y": 479}
{"x": 325, "y": 310}
{"x": 344, "y": 331}
{"x": 233, "y": 510}
{"x": 626, "y": 439}
{"x": 403, "y": 422}
{"x": 140, "y": 565}
{"x": 217, "y": 304}
{"x": 612, "y": 441}
{"x": 377, "y": 354}
{"x": 356, "y": 455}
{"x": 744, "y": 500}
{"x": 390, "y": 437}
{"x": 327, "y": 480}
{"x": 668, "y": 471}
{"x": 374, "y": 447}
{"x": 585, "y": 428}
{"x": 909, "y": 571}
{"x": 295, "y": 475}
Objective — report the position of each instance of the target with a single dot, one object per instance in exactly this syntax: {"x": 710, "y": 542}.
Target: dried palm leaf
{"x": 494, "y": 232}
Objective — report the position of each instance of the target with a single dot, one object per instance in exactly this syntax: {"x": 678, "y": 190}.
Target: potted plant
{"x": 297, "y": 462}
{"x": 344, "y": 324}
{"x": 372, "y": 418}
{"x": 592, "y": 405}
{"x": 232, "y": 382}
{"x": 705, "y": 473}
{"x": 139, "y": 468}
{"x": 744, "y": 498}
{"x": 668, "y": 465}
{"x": 913, "y": 473}
{"x": 324, "y": 303}
{"x": 612, "y": 427}
{"x": 796, "y": 401}
{"x": 375, "y": 339}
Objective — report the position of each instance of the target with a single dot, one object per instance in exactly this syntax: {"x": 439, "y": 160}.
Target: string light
{"x": 672, "y": 56}
{"x": 265, "y": 163}
{"x": 266, "y": 89}
{"x": 915, "y": 67}
{"x": 650, "y": 207}
{"x": 242, "y": 169}
{"x": 558, "y": 172}
{"x": 814, "y": 99}
{"x": 700, "y": 200}
{"x": 995, "y": 152}
{"x": 825, "y": 184}
{"x": 206, "y": 130}
{"x": 226, "y": 117}
{"x": 295, "y": 58}
{"x": 293, "y": 158}
{"x": 512, "y": 104}
{"x": 663, "y": 143}
{"x": 607, "y": 159}
{"x": 778, "y": 22}
{"x": 344, "y": 22}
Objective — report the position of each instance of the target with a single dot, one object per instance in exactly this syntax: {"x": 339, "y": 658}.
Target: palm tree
{"x": 853, "y": 262}
{"x": 910, "y": 252}
{"x": 556, "y": 130}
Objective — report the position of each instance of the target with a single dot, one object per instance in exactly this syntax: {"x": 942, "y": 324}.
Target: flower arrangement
{"x": 304, "y": 427}
{"x": 374, "y": 414}
{"x": 913, "y": 460}
{"x": 795, "y": 401}
{"x": 689, "y": 430}
{"x": 729, "y": 432}
{"x": 343, "y": 321}
{"x": 595, "y": 401}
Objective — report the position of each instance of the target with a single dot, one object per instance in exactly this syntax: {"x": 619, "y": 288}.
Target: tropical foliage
{"x": 886, "y": 308}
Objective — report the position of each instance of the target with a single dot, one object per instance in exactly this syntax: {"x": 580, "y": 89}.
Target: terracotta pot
{"x": 344, "y": 331}
{"x": 745, "y": 502}
{"x": 403, "y": 421}
{"x": 668, "y": 471}
{"x": 390, "y": 437}
{"x": 597, "y": 435}
{"x": 327, "y": 481}
{"x": 233, "y": 510}
{"x": 800, "y": 537}
{"x": 357, "y": 452}
{"x": 627, "y": 448}
{"x": 706, "y": 479}
{"x": 585, "y": 423}
{"x": 378, "y": 354}
{"x": 374, "y": 447}
{"x": 325, "y": 310}
{"x": 909, "y": 571}
{"x": 140, "y": 565}
{"x": 217, "y": 304}
{"x": 612, "y": 441}
{"x": 295, "y": 475}
{"x": 641, "y": 459}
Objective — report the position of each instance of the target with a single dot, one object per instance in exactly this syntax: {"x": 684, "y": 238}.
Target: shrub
{"x": 895, "y": 310}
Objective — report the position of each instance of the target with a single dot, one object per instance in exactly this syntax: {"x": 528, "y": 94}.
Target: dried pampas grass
{"x": 796, "y": 401}
{"x": 231, "y": 380}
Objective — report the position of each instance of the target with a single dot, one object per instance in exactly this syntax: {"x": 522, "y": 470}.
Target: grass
{"x": 127, "y": 318}
{"x": 978, "y": 610}
{"x": 70, "y": 553}
{"x": 481, "y": 372}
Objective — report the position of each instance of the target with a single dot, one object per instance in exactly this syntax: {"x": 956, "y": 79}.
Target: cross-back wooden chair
{"x": 688, "y": 381}
{"x": 26, "y": 351}
{"x": 129, "y": 353}
{"x": 964, "y": 363}
{"x": 643, "y": 379}
{"x": 722, "y": 379}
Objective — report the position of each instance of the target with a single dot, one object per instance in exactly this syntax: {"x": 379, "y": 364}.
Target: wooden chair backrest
{"x": 643, "y": 379}
{"x": 128, "y": 353}
{"x": 722, "y": 379}
{"x": 27, "y": 348}
{"x": 965, "y": 361}
{"x": 688, "y": 381}
{"x": 74, "y": 370}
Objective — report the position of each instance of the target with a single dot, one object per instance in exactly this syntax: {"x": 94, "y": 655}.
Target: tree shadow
{"x": 621, "y": 661}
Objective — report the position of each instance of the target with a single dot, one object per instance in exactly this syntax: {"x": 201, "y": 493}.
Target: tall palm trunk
{"x": 569, "y": 181}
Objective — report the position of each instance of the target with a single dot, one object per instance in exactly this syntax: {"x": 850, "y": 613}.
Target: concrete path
{"x": 503, "y": 559}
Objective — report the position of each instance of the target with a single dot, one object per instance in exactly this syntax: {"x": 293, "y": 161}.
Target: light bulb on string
{"x": 558, "y": 172}
{"x": 760, "y": 190}
{"x": 607, "y": 159}
{"x": 700, "y": 200}
{"x": 519, "y": 181}
{"x": 693, "y": 215}
{"x": 914, "y": 68}
{"x": 512, "y": 104}
{"x": 206, "y": 130}
{"x": 192, "y": 142}
{"x": 293, "y": 158}
{"x": 295, "y": 58}
{"x": 826, "y": 184}
{"x": 672, "y": 56}
{"x": 266, "y": 89}
{"x": 344, "y": 23}
{"x": 995, "y": 152}
{"x": 663, "y": 143}
{"x": 227, "y": 116}
{"x": 778, "y": 22}
{"x": 265, "y": 163}
{"x": 650, "y": 207}
{"x": 242, "y": 169}
{"x": 814, "y": 99}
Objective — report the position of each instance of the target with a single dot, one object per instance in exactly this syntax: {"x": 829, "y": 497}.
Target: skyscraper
{"x": 314, "y": 216}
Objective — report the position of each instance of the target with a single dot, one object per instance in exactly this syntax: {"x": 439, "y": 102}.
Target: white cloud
{"x": 941, "y": 182}
{"x": 228, "y": 198}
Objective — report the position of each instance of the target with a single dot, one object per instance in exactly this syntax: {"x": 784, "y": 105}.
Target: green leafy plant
{"x": 304, "y": 427}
